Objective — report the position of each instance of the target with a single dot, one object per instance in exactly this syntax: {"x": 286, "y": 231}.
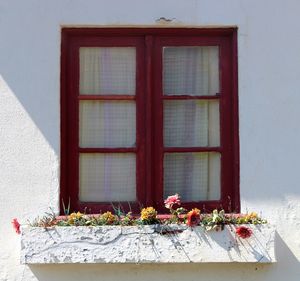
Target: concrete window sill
{"x": 145, "y": 244}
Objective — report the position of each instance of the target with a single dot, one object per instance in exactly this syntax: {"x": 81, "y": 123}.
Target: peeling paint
{"x": 145, "y": 244}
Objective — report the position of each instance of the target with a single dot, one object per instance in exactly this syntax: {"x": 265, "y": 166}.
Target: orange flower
{"x": 193, "y": 217}
{"x": 16, "y": 226}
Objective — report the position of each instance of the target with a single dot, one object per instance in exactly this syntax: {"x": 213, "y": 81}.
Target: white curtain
{"x": 191, "y": 70}
{"x": 193, "y": 175}
{"x": 107, "y": 70}
{"x": 107, "y": 123}
{"x": 191, "y": 123}
{"x": 107, "y": 177}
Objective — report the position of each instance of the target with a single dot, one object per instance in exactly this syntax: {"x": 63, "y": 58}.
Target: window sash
{"x": 224, "y": 97}
{"x": 77, "y": 96}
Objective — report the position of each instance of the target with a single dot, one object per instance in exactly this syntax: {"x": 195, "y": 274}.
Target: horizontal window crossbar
{"x": 185, "y": 97}
{"x": 107, "y": 150}
{"x": 192, "y": 149}
{"x": 106, "y": 97}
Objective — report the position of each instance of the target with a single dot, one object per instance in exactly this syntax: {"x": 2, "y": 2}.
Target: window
{"x": 147, "y": 113}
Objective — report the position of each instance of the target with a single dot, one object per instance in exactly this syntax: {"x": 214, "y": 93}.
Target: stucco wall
{"x": 269, "y": 99}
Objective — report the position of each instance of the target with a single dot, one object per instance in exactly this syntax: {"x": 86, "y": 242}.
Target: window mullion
{"x": 148, "y": 102}
{"x": 158, "y": 149}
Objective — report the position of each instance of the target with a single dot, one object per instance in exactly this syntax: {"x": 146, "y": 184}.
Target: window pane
{"x": 191, "y": 70}
{"x": 107, "y": 71}
{"x": 191, "y": 123}
{"x": 109, "y": 177}
{"x": 195, "y": 176}
{"x": 107, "y": 124}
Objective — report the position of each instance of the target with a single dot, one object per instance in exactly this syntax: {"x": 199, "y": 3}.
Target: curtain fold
{"x": 193, "y": 175}
{"x": 107, "y": 70}
{"x": 107, "y": 177}
{"x": 107, "y": 123}
{"x": 191, "y": 71}
{"x": 191, "y": 123}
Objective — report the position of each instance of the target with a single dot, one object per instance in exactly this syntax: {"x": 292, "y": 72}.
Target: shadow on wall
{"x": 29, "y": 88}
{"x": 28, "y": 107}
{"x": 287, "y": 265}
{"x": 29, "y": 148}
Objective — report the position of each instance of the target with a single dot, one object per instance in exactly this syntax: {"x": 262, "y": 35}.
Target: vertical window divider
{"x": 149, "y": 120}
{"x": 158, "y": 164}
{"x": 141, "y": 138}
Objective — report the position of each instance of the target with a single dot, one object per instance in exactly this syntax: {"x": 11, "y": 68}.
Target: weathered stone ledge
{"x": 145, "y": 244}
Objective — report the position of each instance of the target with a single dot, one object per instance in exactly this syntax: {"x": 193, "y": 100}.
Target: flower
{"x": 108, "y": 218}
{"x": 74, "y": 216}
{"x": 251, "y": 216}
{"x": 16, "y": 225}
{"x": 148, "y": 214}
{"x": 172, "y": 200}
{"x": 193, "y": 217}
{"x": 243, "y": 232}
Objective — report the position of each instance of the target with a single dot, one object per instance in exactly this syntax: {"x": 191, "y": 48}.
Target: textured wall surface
{"x": 269, "y": 71}
{"x": 145, "y": 244}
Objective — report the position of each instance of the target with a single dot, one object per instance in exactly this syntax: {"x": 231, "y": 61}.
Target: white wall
{"x": 269, "y": 99}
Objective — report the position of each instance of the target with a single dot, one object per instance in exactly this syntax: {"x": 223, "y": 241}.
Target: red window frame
{"x": 149, "y": 109}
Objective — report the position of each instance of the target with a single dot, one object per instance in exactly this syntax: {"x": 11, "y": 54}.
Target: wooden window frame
{"x": 149, "y": 100}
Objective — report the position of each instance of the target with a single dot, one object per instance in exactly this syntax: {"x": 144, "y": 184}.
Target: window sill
{"x": 145, "y": 244}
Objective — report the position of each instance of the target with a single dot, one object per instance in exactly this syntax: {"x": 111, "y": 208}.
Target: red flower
{"x": 172, "y": 200}
{"x": 16, "y": 225}
{"x": 193, "y": 217}
{"x": 243, "y": 232}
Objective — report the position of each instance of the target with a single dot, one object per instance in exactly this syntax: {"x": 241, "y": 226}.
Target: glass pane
{"x": 107, "y": 124}
{"x": 191, "y": 123}
{"x": 107, "y": 71}
{"x": 109, "y": 177}
{"x": 194, "y": 176}
{"x": 191, "y": 70}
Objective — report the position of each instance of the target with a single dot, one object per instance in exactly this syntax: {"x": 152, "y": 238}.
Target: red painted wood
{"x": 235, "y": 206}
{"x": 73, "y": 126}
{"x": 149, "y": 100}
{"x": 158, "y": 121}
{"x": 140, "y": 119}
{"x": 80, "y": 33}
{"x": 106, "y": 97}
{"x": 149, "y": 124}
{"x": 225, "y": 124}
{"x": 107, "y": 150}
{"x": 63, "y": 123}
{"x": 101, "y": 207}
{"x": 187, "y": 97}
{"x": 192, "y": 149}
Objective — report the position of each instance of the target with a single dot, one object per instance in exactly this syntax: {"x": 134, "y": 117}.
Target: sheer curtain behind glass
{"x": 107, "y": 176}
{"x": 107, "y": 71}
{"x": 191, "y": 71}
{"x": 191, "y": 123}
{"x": 107, "y": 124}
{"x": 193, "y": 175}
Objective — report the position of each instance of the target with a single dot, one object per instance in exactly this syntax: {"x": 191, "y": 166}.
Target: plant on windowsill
{"x": 184, "y": 236}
